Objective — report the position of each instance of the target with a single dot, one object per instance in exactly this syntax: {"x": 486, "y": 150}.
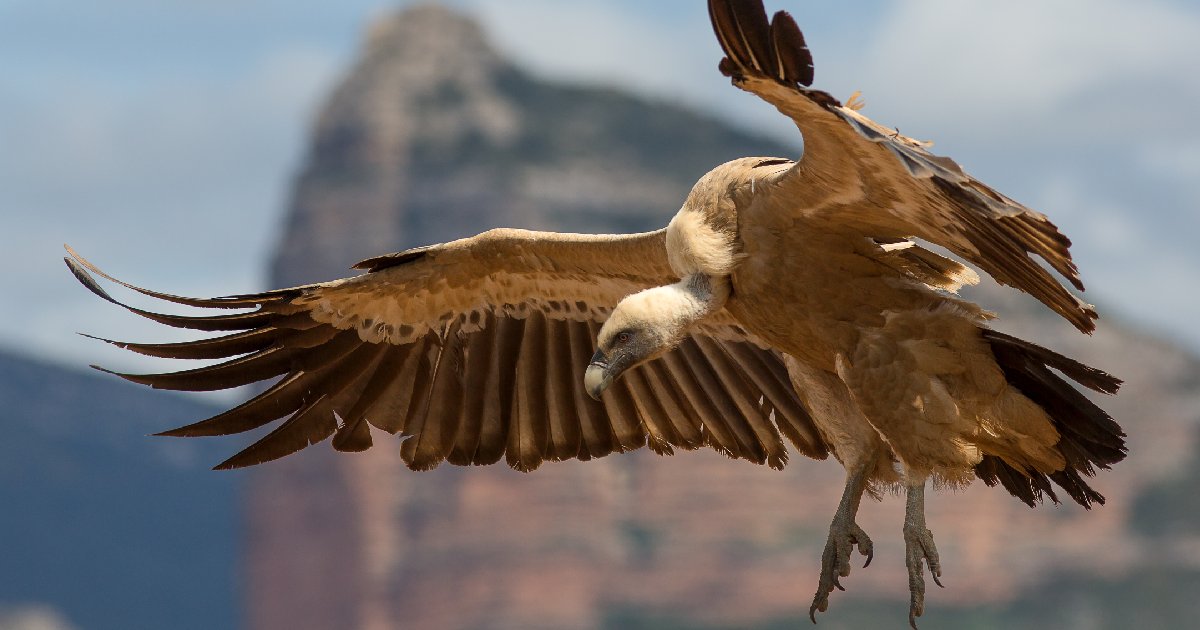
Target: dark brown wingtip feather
{"x": 78, "y": 263}
{"x": 283, "y": 398}
{"x": 227, "y": 375}
{"x": 216, "y": 348}
{"x": 279, "y": 400}
{"x": 724, "y": 23}
{"x": 237, "y": 321}
{"x": 313, "y": 423}
{"x": 353, "y": 438}
{"x": 775, "y": 49}
{"x": 88, "y": 281}
{"x": 795, "y": 61}
{"x": 752, "y": 28}
{"x": 103, "y": 369}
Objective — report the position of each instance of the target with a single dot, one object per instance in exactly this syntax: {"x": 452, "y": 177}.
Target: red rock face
{"x": 431, "y": 138}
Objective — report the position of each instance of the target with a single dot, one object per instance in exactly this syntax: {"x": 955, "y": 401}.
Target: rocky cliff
{"x": 434, "y": 136}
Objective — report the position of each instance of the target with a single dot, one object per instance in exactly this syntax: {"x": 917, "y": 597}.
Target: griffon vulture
{"x": 786, "y": 299}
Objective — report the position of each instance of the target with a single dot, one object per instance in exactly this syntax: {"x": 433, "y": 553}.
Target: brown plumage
{"x": 786, "y": 303}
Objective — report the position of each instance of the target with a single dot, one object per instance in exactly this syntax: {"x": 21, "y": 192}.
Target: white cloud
{"x": 1125, "y": 260}
{"x": 598, "y": 41}
{"x": 1178, "y": 161}
{"x": 1077, "y": 63}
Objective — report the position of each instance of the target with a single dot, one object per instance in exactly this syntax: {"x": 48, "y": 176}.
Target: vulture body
{"x": 785, "y": 301}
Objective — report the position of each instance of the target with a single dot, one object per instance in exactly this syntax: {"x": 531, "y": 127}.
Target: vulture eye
{"x": 624, "y": 337}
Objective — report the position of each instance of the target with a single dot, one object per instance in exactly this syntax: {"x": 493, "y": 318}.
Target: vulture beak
{"x": 596, "y": 379}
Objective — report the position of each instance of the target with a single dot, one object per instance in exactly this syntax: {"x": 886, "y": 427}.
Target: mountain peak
{"x": 430, "y": 35}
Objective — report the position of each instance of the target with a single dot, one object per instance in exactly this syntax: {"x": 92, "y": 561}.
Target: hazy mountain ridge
{"x": 111, "y": 528}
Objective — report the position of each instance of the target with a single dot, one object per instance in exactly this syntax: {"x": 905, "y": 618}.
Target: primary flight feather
{"x": 786, "y": 300}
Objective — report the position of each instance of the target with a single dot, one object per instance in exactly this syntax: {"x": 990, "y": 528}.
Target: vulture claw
{"x": 844, "y": 536}
{"x": 919, "y": 551}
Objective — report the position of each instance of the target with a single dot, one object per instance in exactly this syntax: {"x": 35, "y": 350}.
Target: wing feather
{"x": 770, "y": 376}
{"x": 729, "y": 420}
{"x": 747, "y": 400}
{"x": 625, "y": 424}
{"x": 279, "y": 400}
{"x": 433, "y": 423}
{"x": 596, "y": 436}
{"x": 529, "y": 432}
{"x": 354, "y": 433}
{"x": 498, "y": 401}
{"x": 259, "y": 366}
{"x": 716, "y": 432}
{"x": 561, "y": 376}
{"x": 314, "y": 422}
{"x": 311, "y": 424}
{"x": 685, "y": 425}
{"x": 381, "y": 391}
{"x": 477, "y": 363}
{"x": 660, "y": 435}
{"x": 244, "y": 342}
{"x": 419, "y": 372}
{"x": 390, "y": 411}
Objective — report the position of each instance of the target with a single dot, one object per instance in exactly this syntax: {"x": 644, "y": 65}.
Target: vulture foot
{"x": 844, "y": 535}
{"x": 919, "y": 548}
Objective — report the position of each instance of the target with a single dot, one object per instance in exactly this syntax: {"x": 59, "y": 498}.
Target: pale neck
{"x": 701, "y": 295}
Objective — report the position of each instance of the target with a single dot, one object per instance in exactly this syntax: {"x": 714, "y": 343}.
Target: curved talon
{"x": 920, "y": 552}
{"x": 835, "y": 561}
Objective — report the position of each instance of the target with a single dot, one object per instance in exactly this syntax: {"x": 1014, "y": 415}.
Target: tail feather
{"x": 1028, "y": 488}
{"x": 1089, "y": 437}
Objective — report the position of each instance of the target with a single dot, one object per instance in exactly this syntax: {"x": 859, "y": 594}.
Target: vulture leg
{"x": 844, "y": 535}
{"x": 918, "y": 547}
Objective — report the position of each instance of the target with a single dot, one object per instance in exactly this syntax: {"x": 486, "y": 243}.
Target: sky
{"x": 160, "y": 139}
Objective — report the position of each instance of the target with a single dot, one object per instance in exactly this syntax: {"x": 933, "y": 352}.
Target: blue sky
{"x": 160, "y": 138}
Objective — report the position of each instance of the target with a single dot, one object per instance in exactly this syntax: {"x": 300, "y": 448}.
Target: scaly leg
{"x": 844, "y": 535}
{"x": 918, "y": 547}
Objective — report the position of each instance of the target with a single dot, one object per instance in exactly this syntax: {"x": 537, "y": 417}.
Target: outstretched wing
{"x": 474, "y": 351}
{"x": 884, "y": 184}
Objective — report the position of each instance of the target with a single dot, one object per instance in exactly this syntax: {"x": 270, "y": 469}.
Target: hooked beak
{"x": 597, "y": 378}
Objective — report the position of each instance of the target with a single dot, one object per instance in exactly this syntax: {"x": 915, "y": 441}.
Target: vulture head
{"x": 650, "y": 323}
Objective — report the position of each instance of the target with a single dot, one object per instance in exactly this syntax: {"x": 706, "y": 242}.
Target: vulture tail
{"x": 1089, "y": 437}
